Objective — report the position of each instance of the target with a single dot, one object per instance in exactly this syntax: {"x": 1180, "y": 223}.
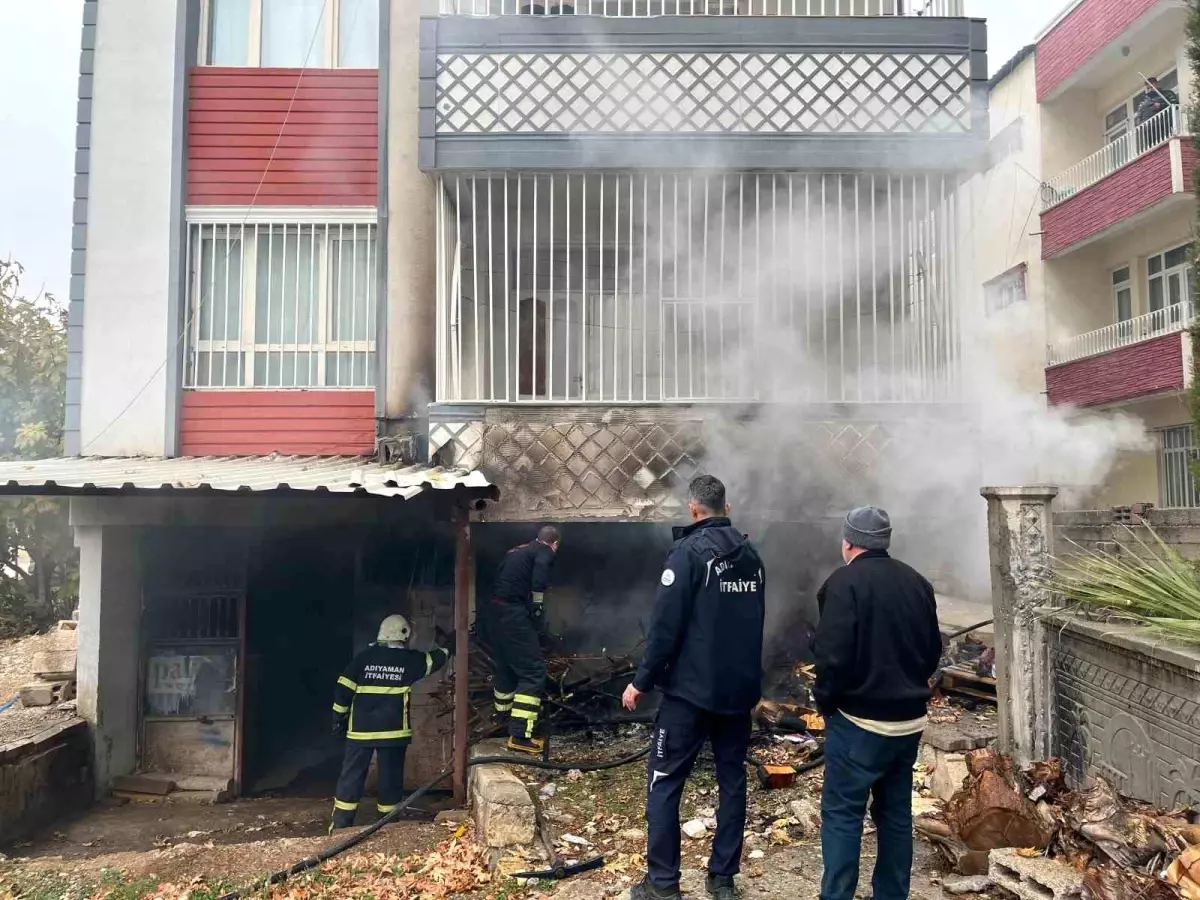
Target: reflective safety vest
{"x": 374, "y": 692}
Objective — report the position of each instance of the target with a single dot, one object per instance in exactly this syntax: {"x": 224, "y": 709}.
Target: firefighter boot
{"x": 522, "y": 744}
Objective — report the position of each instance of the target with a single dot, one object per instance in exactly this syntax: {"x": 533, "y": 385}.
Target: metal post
{"x": 462, "y": 622}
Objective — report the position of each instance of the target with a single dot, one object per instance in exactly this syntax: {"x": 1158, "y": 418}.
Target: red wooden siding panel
{"x": 1129, "y": 190}
{"x": 1085, "y": 31}
{"x": 1127, "y": 373}
{"x": 327, "y": 153}
{"x": 251, "y": 423}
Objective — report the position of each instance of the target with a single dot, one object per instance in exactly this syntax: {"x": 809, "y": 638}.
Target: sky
{"x": 39, "y": 65}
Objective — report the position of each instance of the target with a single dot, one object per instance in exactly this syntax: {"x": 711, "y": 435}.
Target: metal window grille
{"x": 626, "y": 288}
{"x": 645, "y": 8}
{"x": 1177, "y": 452}
{"x": 281, "y": 305}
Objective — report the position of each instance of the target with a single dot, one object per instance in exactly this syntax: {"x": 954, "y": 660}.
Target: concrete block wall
{"x": 1097, "y": 529}
{"x": 44, "y": 777}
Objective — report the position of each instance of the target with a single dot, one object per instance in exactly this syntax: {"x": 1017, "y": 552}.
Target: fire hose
{"x": 558, "y": 871}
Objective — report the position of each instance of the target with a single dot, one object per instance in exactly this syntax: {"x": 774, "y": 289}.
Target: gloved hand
{"x": 340, "y": 724}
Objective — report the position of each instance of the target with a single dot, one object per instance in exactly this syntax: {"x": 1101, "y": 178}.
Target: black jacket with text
{"x": 373, "y": 692}
{"x": 878, "y": 641}
{"x": 524, "y": 571}
{"x": 706, "y": 627}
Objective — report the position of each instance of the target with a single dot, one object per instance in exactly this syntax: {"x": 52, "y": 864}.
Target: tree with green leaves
{"x": 38, "y": 561}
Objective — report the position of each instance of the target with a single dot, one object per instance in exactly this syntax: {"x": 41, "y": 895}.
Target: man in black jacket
{"x": 510, "y": 625}
{"x": 877, "y": 647}
{"x": 371, "y": 710}
{"x": 704, "y": 652}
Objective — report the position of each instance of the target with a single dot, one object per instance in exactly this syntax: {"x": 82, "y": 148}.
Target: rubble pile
{"x": 1119, "y": 848}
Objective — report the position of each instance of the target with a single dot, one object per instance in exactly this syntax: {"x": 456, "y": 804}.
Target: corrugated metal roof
{"x": 235, "y": 474}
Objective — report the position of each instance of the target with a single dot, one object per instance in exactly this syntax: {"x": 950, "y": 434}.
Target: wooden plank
{"x": 141, "y": 784}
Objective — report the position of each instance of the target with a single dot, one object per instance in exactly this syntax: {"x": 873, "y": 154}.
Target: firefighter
{"x": 704, "y": 653}
{"x": 371, "y": 710}
{"x": 512, "y": 623}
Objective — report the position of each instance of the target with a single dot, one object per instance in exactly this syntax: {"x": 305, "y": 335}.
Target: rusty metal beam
{"x": 462, "y": 622}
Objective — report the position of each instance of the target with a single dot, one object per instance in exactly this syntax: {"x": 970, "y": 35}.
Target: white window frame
{"x": 1175, "y": 479}
{"x": 1183, "y": 270}
{"x": 242, "y": 222}
{"x": 1125, "y": 284}
{"x": 327, "y": 58}
{"x": 1010, "y": 288}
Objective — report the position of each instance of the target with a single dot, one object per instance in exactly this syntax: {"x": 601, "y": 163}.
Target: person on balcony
{"x": 1155, "y": 100}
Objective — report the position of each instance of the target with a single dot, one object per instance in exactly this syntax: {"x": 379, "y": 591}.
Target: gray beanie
{"x": 868, "y": 527}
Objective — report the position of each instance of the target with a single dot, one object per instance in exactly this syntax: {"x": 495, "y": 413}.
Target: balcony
{"x": 1094, "y": 37}
{"x": 655, "y": 84}
{"x": 1116, "y": 187}
{"x": 1125, "y": 361}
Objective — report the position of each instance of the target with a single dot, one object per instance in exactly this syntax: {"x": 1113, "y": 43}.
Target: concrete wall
{"x": 411, "y": 244}
{"x": 133, "y": 215}
{"x": 110, "y": 605}
{"x": 1125, "y": 706}
{"x": 44, "y": 777}
{"x": 1095, "y": 528}
{"x": 1003, "y": 237}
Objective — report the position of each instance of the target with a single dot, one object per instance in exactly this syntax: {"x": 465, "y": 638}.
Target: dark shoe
{"x": 645, "y": 890}
{"x": 720, "y": 887}
{"x": 526, "y": 745}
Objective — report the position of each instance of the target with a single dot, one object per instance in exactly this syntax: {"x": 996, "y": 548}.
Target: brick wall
{"x": 1086, "y": 30}
{"x": 1139, "y": 370}
{"x": 1127, "y": 191}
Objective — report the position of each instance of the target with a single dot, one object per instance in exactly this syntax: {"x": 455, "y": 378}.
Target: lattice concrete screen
{"x": 693, "y": 92}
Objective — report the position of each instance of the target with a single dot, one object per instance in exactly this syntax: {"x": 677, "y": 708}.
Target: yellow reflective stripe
{"x": 378, "y": 735}
{"x": 373, "y": 689}
{"x": 342, "y": 804}
{"x": 386, "y": 809}
{"x": 500, "y": 695}
{"x": 502, "y": 707}
{"x": 524, "y": 714}
{"x": 428, "y": 663}
{"x": 340, "y": 710}
{"x": 346, "y": 682}
{"x": 527, "y": 699}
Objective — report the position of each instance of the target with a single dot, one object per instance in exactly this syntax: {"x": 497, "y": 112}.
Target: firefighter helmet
{"x": 394, "y": 630}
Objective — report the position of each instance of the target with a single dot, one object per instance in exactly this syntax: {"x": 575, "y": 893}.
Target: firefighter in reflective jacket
{"x": 370, "y": 708}
{"x": 510, "y": 625}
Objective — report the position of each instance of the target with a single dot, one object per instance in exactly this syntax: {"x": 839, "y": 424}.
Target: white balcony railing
{"x": 1141, "y": 140}
{"x": 648, "y": 8}
{"x": 1121, "y": 334}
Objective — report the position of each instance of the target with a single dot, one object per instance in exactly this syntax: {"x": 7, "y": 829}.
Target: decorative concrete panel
{"x": 703, "y": 92}
{"x": 634, "y": 463}
{"x": 1128, "y": 708}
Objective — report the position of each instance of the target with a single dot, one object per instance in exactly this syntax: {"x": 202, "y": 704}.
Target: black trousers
{"x": 518, "y": 670}
{"x": 355, "y": 764}
{"x": 680, "y": 731}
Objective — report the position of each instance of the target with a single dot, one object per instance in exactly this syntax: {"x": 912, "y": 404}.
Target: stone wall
{"x": 44, "y": 777}
{"x": 1126, "y": 706}
{"x": 1102, "y": 528}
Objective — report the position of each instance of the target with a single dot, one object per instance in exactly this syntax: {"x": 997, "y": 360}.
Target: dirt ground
{"x": 125, "y": 852}
{"x": 16, "y": 663}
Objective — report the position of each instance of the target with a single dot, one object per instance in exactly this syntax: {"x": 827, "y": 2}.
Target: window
{"x": 1001, "y": 293}
{"x": 292, "y": 33}
{"x": 1176, "y": 452}
{"x": 1122, "y": 119}
{"x": 282, "y": 305}
{"x": 1168, "y": 275}
{"x": 1122, "y": 294}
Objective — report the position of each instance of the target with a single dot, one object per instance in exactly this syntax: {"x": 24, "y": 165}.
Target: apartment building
{"x": 349, "y": 275}
{"x": 1095, "y": 217}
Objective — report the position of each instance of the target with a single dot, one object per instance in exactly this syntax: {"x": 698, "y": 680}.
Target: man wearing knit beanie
{"x": 877, "y": 647}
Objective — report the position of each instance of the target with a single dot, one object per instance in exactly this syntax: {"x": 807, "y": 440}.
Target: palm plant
{"x": 1147, "y": 583}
